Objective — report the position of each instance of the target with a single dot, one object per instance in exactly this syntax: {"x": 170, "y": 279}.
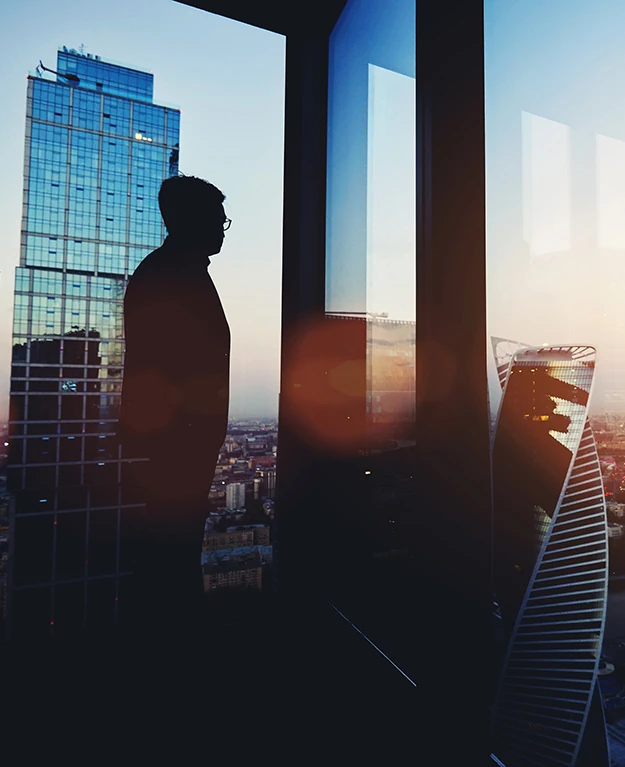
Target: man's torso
{"x": 176, "y": 372}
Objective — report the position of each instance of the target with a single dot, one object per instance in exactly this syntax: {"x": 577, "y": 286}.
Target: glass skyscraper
{"x": 97, "y": 149}
{"x": 550, "y": 559}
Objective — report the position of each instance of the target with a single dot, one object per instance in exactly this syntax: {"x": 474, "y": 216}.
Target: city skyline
{"x": 245, "y": 163}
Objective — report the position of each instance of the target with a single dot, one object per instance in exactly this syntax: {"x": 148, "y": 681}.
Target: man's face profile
{"x": 193, "y": 213}
{"x": 206, "y": 231}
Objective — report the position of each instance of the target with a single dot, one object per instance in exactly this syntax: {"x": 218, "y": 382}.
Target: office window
{"x": 86, "y": 110}
{"x": 555, "y": 251}
{"x": 47, "y": 282}
{"x": 116, "y": 116}
{"x": 50, "y": 104}
{"x": 112, "y": 259}
{"x": 148, "y": 123}
{"x": 173, "y": 127}
{"x": 80, "y": 256}
{"x": 364, "y": 414}
{"x": 91, "y": 216}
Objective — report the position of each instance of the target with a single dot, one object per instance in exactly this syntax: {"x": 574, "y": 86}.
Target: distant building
{"x": 231, "y": 539}
{"x": 265, "y": 461}
{"x": 616, "y": 509}
{"x": 231, "y": 569}
{"x": 615, "y": 530}
{"x": 266, "y": 553}
{"x": 233, "y": 577}
{"x": 97, "y": 149}
{"x": 261, "y": 533}
{"x": 550, "y": 555}
{"x": 268, "y": 508}
{"x": 236, "y": 536}
{"x": 268, "y": 485}
{"x": 235, "y": 495}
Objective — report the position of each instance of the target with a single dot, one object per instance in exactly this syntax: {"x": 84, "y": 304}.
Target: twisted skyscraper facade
{"x": 550, "y": 554}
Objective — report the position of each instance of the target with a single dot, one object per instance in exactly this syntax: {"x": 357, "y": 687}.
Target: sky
{"x": 371, "y": 211}
{"x": 391, "y": 195}
{"x": 555, "y": 180}
{"x": 228, "y": 80}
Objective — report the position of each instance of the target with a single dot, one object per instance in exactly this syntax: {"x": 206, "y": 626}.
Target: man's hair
{"x": 185, "y": 201}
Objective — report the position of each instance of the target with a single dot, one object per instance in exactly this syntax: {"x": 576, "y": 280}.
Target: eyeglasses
{"x": 227, "y": 223}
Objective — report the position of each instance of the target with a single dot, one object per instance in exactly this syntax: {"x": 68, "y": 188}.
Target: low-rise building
{"x": 235, "y": 495}
{"x": 233, "y": 568}
{"x": 232, "y": 538}
{"x": 261, "y": 533}
{"x": 615, "y": 530}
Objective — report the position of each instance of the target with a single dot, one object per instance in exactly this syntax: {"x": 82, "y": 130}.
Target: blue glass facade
{"x": 105, "y": 76}
{"x": 96, "y": 152}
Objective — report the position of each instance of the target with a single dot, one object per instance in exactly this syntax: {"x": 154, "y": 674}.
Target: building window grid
{"x": 99, "y": 112}
{"x": 130, "y": 177}
{"x": 116, "y": 116}
{"x": 87, "y": 110}
{"x": 153, "y": 232}
{"x": 112, "y": 259}
{"x": 108, "y": 78}
{"x": 173, "y": 128}
{"x": 148, "y": 123}
{"x": 114, "y": 185}
{"x": 50, "y": 102}
{"x": 81, "y": 256}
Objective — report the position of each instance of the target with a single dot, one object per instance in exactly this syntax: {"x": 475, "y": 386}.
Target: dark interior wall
{"x": 282, "y": 16}
{"x": 452, "y": 407}
{"x": 453, "y": 425}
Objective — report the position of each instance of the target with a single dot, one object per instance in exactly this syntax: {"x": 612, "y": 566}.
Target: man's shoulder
{"x": 152, "y": 263}
{"x": 150, "y": 273}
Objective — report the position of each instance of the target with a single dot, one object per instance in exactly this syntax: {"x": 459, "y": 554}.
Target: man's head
{"x": 193, "y": 212}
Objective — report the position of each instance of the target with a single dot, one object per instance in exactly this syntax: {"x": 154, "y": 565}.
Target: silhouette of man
{"x": 175, "y": 400}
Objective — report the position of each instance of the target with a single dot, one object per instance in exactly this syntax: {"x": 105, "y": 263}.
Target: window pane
{"x": 363, "y": 416}
{"x": 97, "y": 148}
{"x": 555, "y": 249}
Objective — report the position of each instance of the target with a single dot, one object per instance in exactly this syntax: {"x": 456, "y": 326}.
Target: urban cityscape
{"x": 97, "y": 147}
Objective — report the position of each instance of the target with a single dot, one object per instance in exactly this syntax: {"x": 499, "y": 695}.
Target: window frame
{"x": 453, "y": 425}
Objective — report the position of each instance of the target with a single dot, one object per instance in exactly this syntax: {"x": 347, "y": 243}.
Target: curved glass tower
{"x": 550, "y": 554}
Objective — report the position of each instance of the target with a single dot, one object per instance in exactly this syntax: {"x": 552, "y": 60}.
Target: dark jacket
{"x": 176, "y": 371}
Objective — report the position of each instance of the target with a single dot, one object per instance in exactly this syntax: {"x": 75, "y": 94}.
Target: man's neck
{"x": 188, "y": 255}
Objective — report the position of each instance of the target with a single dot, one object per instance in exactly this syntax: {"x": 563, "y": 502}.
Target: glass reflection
{"x": 362, "y": 409}
{"x": 540, "y": 425}
{"x": 550, "y": 547}
{"x": 555, "y": 224}
{"x": 97, "y": 151}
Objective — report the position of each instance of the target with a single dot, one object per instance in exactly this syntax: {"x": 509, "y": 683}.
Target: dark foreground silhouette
{"x": 174, "y": 406}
